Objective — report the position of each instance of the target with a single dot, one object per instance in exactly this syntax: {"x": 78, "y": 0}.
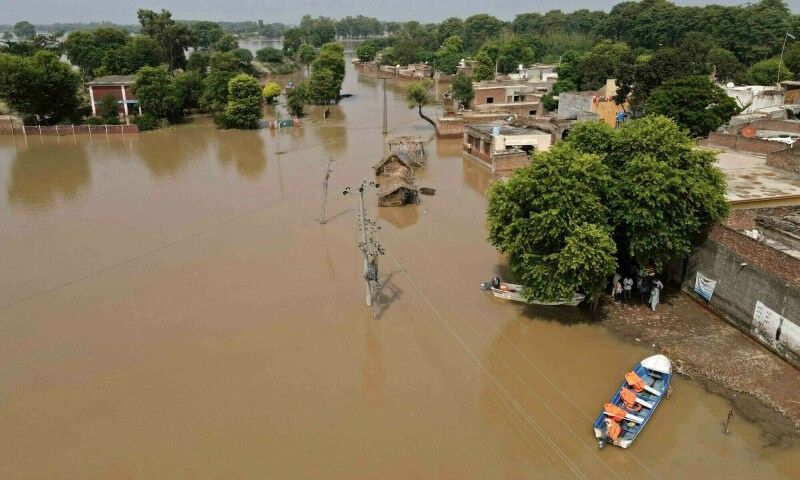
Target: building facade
{"x": 513, "y": 98}
{"x": 119, "y": 87}
{"x": 504, "y": 148}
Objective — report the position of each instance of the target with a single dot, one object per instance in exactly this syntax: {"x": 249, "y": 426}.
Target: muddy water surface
{"x": 170, "y": 308}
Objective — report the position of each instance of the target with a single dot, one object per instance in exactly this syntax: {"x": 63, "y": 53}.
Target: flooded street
{"x": 171, "y": 308}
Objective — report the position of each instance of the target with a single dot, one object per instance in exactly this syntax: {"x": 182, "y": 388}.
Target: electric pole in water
{"x": 325, "y": 190}
{"x": 385, "y": 116}
{"x": 369, "y": 247}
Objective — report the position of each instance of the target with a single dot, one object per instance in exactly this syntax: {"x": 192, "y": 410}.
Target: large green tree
{"x": 224, "y": 66}
{"x": 204, "y": 34}
{"x": 765, "y": 72}
{"x": 694, "y": 102}
{"x": 643, "y": 191}
{"x": 244, "y": 103}
{"x": 551, "y": 220}
{"x": 666, "y": 192}
{"x": 173, "y": 37}
{"x": 480, "y": 28}
{"x": 463, "y": 92}
{"x": 41, "y": 87}
{"x": 331, "y": 59}
{"x": 158, "y": 94}
{"x": 449, "y": 55}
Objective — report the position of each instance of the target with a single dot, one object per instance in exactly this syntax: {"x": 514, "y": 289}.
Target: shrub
{"x": 148, "y": 122}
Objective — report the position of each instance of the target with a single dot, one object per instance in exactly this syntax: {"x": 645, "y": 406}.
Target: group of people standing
{"x": 647, "y": 285}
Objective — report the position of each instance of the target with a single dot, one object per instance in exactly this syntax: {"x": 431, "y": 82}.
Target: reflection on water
{"x": 400, "y": 217}
{"x": 244, "y": 150}
{"x": 476, "y": 176}
{"x": 166, "y": 153}
{"x": 41, "y": 173}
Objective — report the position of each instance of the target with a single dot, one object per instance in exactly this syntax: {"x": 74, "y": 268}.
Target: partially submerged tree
{"x": 244, "y": 103}
{"x": 551, "y": 221}
{"x": 296, "y": 99}
{"x": 271, "y": 91}
{"x": 643, "y": 191}
{"x": 418, "y": 96}
{"x": 306, "y": 54}
{"x": 157, "y": 93}
{"x": 366, "y": 52}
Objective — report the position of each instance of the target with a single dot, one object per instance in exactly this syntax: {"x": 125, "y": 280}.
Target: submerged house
{"x": 397, "y": 191}
{"x": 392, "y": 162}
{"x": 118, "y": 86}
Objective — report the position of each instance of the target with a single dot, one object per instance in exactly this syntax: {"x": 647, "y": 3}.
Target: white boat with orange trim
{"x": 634, "y": 403}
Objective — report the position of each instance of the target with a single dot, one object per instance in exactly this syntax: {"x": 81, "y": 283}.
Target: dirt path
{"x": 762, "y": 387}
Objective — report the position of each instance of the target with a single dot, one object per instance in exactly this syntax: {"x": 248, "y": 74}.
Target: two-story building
{"x": 517, "y": 98}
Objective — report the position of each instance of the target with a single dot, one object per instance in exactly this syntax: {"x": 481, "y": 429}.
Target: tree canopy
{"x": 243, "y": 110}
{"x": 643, "y": 191}
{"x": 462, "y": 90}
{"x": 694, "y": 102}
{"x": 157, "y": 93}
{"x": 40, "y": 87}
{"x": 550, "y": 219}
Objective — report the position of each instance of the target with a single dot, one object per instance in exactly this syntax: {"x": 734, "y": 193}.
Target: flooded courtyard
{"x": 171, "y": 308}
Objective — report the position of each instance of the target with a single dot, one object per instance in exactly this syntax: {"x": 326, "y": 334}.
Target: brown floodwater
{"x": 171, "y": 308}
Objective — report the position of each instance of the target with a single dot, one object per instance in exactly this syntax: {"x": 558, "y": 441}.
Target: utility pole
{"x": 369, "y": 247}
{"x": 780, "y": 64}
{"x": 328, "y": 171}
{"x": 385, "y": 115}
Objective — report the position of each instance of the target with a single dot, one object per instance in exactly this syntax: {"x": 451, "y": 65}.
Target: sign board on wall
{"x": 766, "y": 322}
{"x": 704, "y": 286}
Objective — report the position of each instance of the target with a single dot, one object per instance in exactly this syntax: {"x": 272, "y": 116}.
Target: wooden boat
{"x": 512, "y": 291}
{"x": 634, "y": 403}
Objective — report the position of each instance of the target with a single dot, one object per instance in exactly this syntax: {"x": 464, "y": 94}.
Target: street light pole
{"x": 780, "y": 63}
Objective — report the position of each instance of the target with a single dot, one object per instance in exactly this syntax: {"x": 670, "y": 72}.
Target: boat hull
{"x": 656, "y": 371}
{"x": 514, "y": 292}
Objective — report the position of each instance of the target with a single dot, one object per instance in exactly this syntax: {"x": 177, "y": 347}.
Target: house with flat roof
{"x": 118, "y": 86}
{"x": 592, "y": 105}
{"x": 519, "y": 98}
{"x": 504, "y": 148}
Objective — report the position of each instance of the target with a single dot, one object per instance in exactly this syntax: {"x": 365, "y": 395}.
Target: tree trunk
{"x": 425, "y": 117}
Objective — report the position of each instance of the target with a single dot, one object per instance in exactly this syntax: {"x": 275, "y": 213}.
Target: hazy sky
{"x": 290, "y": 11}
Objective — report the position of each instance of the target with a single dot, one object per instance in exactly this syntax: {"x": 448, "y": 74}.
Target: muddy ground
{"x": 761, "y": 387}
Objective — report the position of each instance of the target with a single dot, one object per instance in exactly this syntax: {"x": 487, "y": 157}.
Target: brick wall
{"x": 450, "y": 127}
{"x": 505, "y": 164}
{"x": 747, "y": 272}
{"x": 482, "y": 94}
{"x": 787, "y": 159}
{"x": 736, "y": 142}
{"x": 754, "y": 252}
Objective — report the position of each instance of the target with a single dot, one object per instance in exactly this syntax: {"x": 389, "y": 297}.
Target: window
{"x": 517, "y": 98}
{"x": 489, "y": 99}
{"x": 532, "y": 112}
